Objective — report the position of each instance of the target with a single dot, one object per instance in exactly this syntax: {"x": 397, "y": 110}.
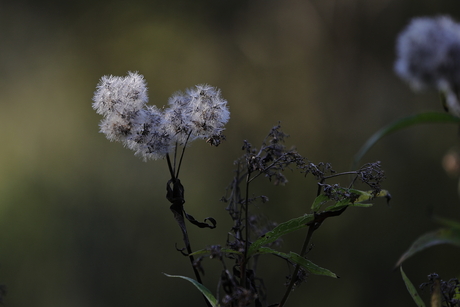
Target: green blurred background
{"x": 85, "y": 223}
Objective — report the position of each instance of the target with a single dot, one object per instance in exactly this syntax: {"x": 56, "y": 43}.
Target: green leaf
{"x": 457, "y": 294}
{"x": 278, "y": 231}
{"x": 448, "y": 223}
{"x": 211, "y": 299}
{"x": 339, "y": 205}
{"x": 310, "y": 266}
{"x": 296, "y": 258}
{"x": 368, "y": 195}
{"x": 359, "y": 202}
{"x": 200, "y": 252}
{"x": 321, "y": 199}
{"x": 441, "y": 236}
{"x": 362, "y": 205}
{"x": 423, "y": 118}
{"x": 410, "y": 287}
{"x": 363, "y": 195}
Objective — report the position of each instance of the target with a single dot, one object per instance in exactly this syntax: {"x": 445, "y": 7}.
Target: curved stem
{"x": 340, "y": 174}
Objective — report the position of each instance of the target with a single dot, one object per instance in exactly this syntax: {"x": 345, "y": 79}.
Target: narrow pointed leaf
{"x": 410, "y": 287}
{"x": 205, "y": 291}
{"x": 296, "y": 258}
{"x": 449, "y": 223}
{"x": 339, "y": 205}
{"x": 368, "y": 195}
{"x": 363, "y": 195}
{"x": 358, "y": 202}
{"x": 362, "y": 205}
{"x": 440, "y": 236}
{"x": 423, "y": 118}
{"x": 321, "y": 199}
{"x": 310, "y": 266}
{"x": 278, "y": 231}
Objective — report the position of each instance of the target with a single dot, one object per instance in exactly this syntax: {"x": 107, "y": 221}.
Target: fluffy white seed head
{"x": 120, "y": 94}
{"x": 152, "y": 133}
{"x": 209, "y": 113}
{"x": 149, "y": 139}
{"x": 201, "y": 112}
{"x": 177, "y": 117}
{"x": 115, "y": 127}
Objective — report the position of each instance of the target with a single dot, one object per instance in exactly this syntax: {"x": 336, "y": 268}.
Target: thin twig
{"x": 340, "y": 174}
{"x": 182, "y": 154}
{"x": 171, "y": 169}
{"x": 270, "y": 166}
{"x": 243, "y": 280}
{"x": 311, "y": 229}
{"x": 312, "y": 226}
{"x": 179, "y": 216}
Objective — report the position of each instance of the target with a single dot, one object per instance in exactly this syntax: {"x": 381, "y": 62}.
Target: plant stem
{"x": 311, "y": 229}
{"x": 175, "y": 196}
{"x": 182, "y": 154}
{"x": 243, "y": 280}
{"x": 170, "y": 168}
{"x": 179, "y": 216}
{"x": 340, "y": 174}
{"x": 312, "y": 226}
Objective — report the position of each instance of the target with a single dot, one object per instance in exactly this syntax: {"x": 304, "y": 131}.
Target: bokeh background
{"x": 85, "y": 223}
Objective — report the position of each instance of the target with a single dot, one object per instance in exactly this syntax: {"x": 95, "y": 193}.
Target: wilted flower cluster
{"x": 449, "y": 289}
{"x": 428, "y": 53}
{"x": 200, "y": 112}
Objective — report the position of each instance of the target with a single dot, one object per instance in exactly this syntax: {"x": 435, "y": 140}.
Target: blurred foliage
{"x": 85, "y": 223}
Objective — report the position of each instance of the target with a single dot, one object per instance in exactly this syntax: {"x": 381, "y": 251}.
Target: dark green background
{"x": 85, "y": 223}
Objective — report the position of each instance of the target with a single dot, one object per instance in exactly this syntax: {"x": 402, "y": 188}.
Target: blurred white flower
{"x": 428, "y": 55}
{"x": 152, "y": 133}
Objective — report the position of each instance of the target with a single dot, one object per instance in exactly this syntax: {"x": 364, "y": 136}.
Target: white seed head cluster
{"x": 199, "y": 113}
{"x": 428, "y": 55}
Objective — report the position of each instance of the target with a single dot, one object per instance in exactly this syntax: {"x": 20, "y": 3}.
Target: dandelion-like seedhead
{"x": 151, "y": 133}
{"x": 121, "y": 95}
{"x": 200, "y": 112}
{"x": 428, "y": 55}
